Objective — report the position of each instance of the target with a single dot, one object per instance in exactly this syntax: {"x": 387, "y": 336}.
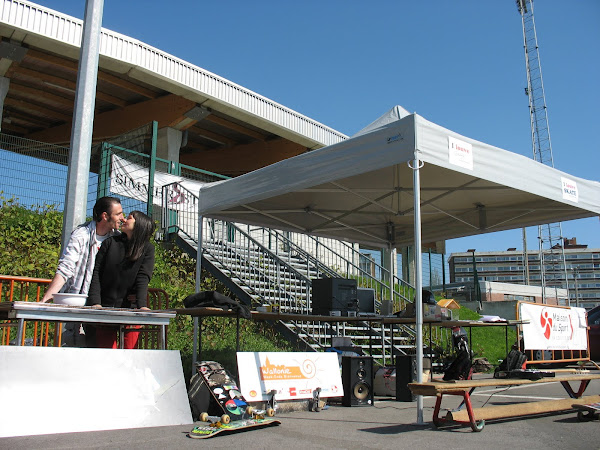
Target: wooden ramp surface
{"x": 438, "y": 387}
{"x": 521, "y": 409}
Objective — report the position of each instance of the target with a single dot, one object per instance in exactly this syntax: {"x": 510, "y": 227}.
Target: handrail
{"x": 351, "y": 266}
{"x": 244, "y": 253}
{"x": 24, "y": 283}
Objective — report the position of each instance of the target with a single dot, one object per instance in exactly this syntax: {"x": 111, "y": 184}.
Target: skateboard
{"x": 587, "y": 412}
{"x": 214, "y": 428}
{"x": 227, "y": 401}
{"x": 227, "y": 404}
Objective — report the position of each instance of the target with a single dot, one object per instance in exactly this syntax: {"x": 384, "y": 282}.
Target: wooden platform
{"x": 476, "y": 417}
{"x": 434, "y": 388}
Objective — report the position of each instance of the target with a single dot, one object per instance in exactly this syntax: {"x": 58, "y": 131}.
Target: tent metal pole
{"x": 391, "y": 275}
{"x": 418, "y": 280}
{"x": 198, "y": 280}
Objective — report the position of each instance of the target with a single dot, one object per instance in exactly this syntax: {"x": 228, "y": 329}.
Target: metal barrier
{"x": 25, "y": 289}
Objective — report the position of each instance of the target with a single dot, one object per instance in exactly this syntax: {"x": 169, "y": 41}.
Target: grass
{"x": 492, "y": 343}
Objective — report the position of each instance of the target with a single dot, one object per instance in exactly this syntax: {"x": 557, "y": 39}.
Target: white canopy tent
{"x": 401, "y": 180}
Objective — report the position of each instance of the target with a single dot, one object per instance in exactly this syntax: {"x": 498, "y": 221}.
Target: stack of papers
{"x": 492, "y": 319}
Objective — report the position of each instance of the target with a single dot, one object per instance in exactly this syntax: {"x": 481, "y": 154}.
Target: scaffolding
{"x": 551, "y": 248}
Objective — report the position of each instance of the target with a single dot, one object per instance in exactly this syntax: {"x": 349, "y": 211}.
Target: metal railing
{"x": 346, "y": 259}
{"x": 44, "y": 334}
{"x": 271, "y": 267}
{"x": 25, "y": 289}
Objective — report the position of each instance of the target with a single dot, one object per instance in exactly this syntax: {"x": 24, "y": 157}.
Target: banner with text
{"x": 292, "y": 375}
{"x": 553, "y": 327}
{"x": 129, "y": 179}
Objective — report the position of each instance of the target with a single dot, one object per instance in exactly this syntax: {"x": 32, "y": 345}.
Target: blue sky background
{"x": 346, "y": 62}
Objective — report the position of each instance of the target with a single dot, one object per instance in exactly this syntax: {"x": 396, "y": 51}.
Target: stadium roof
{"x": 230, "y": 129}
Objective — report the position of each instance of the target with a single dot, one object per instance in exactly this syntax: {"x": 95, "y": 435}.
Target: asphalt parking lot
{"x": 386, "y": 424}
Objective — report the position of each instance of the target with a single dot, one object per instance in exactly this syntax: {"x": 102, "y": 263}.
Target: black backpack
{"x": 460, "y": 368}
{"x": 515, "y": 360}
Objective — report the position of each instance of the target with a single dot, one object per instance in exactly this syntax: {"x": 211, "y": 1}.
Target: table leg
{"x": 58, "y": 329}
{"x": 163, "y": 337}
{"x": 582, "y": 387}
{"x": 475, "y": 426}
{"x": 20, "y": 331}
{"x": 463, "y": 402}
{"x": 237, "y": 333}
{"x": 121, "y": 337}
{"x": 438, "y": 421}
{"x": 392, "y": 356}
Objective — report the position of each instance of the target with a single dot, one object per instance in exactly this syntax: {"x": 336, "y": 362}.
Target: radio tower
{"x": 551, "y": 249}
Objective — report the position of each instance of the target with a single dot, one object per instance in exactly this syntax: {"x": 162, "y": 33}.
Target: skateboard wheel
{"x": 270, "y": 412}
{"x": 225, "y": 419}
{"x": 249, "y": 410}
{"x": 204, "y": 417}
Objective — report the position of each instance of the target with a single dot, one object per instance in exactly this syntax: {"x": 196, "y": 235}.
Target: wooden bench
{"x": 476, "y": 417}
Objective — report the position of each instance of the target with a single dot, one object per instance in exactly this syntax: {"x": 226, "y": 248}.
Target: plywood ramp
{"x": 521, "y": 409}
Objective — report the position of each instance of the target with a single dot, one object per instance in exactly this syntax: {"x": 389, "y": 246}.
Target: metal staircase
{"x": 269, "y": 267}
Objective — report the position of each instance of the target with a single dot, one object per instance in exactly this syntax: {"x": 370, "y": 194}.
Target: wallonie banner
{"x": 553, "y": 327}
{"x": 291, "y": 374}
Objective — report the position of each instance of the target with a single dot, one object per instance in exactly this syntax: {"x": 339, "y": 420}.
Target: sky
{"x": 344, "y": 63}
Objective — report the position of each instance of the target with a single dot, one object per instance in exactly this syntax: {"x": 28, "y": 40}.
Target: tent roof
{"x": 361, "y": 189}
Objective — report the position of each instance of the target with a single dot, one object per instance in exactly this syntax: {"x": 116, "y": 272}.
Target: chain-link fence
{"x": 35, "y": 173}
{"x": 126, "y": 167}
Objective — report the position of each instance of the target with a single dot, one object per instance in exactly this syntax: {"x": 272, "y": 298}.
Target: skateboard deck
{"x": 210, "y": 430}
{"x": 227, "y": 399}
{"x": 587, "y": 412}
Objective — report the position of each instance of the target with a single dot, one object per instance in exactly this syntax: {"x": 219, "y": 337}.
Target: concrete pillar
{"x": 169, "y": 144}
{"x": 83, "y": 120}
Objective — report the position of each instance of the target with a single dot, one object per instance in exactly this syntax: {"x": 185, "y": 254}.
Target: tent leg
{"x": 418, "y": 280}
{"x": 195, "y": 348}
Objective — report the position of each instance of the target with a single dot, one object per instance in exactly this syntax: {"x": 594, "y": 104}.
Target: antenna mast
{"x": 551, "y": 248}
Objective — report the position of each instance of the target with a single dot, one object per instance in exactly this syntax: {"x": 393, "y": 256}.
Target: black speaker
{"x": 406, "y": 372}
{"x": 333, "y": 294}
{"x": 366, "y": 300}
{"x": 357, "y": 379}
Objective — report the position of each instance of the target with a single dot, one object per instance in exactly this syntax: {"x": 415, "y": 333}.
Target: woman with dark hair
{"x": 124, "y": 266}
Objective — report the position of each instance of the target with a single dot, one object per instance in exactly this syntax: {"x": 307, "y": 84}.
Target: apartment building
{"x": 582, "y": 271}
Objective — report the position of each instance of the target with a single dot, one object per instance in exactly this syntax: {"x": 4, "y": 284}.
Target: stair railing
{"x": 263, "y": 267}
{"x": 315, "y": 252}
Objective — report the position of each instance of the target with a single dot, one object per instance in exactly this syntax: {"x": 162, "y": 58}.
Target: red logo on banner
{"x": 546, "y": 323}
{"x": 293, "y": 391}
